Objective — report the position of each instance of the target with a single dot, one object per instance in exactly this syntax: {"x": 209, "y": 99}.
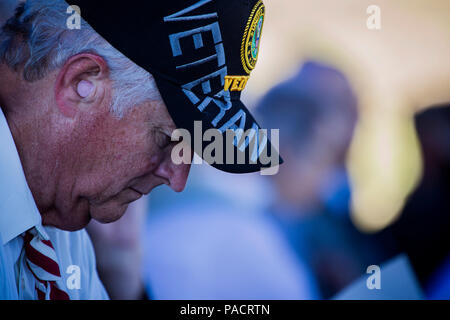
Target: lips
{"x": 144, "y": 185}
{"x": 137, "y": 191}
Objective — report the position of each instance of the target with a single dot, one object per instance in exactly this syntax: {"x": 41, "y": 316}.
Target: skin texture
{"x": 81, "y": 161}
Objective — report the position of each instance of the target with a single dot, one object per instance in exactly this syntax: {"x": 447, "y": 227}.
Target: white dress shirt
{"x": 18, "y": 213}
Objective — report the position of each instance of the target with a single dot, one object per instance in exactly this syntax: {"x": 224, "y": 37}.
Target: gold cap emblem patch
{"x": 252, "y": 37}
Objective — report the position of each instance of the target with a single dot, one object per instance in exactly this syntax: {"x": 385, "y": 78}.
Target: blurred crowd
{"x": 288, "y": 236}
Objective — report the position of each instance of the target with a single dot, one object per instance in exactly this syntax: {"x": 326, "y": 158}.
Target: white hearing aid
{"x": 85, "y": 88}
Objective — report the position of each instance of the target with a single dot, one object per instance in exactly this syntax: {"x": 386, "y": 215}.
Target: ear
{"x": 83, "y": 82}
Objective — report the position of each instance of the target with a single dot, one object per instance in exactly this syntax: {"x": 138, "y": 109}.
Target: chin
{"x": 73, "y": 219}
{"x": 108, "y": 213}
{"x": 74, "y": 224}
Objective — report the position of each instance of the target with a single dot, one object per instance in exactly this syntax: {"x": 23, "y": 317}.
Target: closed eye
{"x": 162, "y": 139}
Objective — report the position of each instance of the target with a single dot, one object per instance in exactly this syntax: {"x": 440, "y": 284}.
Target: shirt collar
{"x": 18, "y": 211}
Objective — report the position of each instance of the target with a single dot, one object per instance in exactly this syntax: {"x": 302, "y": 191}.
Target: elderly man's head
{"x": 90, "y": 126}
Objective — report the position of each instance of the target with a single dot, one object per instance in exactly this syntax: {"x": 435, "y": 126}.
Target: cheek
{"x": 141, "y": 160}
{"x": 128, "y": 155}
{"x": 149, "y": 163}
{"x": 145, "y": 156}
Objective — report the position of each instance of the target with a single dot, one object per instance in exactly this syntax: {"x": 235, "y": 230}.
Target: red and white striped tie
{"x": 42, "y": 261}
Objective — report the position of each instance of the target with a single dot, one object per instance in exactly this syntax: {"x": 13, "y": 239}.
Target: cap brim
{"x": 184, "y": 114}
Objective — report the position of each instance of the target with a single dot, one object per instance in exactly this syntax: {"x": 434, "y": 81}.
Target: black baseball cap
{"x": 201, "y": 54}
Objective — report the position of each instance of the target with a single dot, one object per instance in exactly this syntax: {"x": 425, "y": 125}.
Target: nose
{"x": 177, "y": 175}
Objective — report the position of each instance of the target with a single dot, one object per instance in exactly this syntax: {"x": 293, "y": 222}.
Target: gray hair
{"x": 38, "y": 40}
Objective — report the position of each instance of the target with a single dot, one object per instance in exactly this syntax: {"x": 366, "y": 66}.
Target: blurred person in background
{"x": 307, "y": 247}
{"x": 422, "y": 231}
{"x": 316, "y": 112}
